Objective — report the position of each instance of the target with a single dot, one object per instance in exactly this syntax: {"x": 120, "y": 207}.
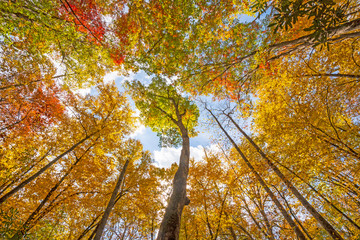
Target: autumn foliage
{"x": 274, "y": 85}
{"x": 86, "y": 16}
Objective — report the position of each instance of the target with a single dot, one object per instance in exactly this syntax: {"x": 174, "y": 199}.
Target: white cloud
{"x": 197, "y": 152}
{"x": 167, "y": 156}
{"x": 213, "y": 148}
{"x": 140, "y": 129}
{"x": 83, "y": 91}
{"x": 110, "y": 77}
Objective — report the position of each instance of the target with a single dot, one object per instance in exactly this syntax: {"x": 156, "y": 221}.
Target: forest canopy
{"x": 273, "y": 84}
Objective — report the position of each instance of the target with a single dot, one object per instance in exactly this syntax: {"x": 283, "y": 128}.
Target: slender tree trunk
{"x": 322, "y": 196}
{"x": 320, "y": 219}
{"x": 28, "y": 223}
{"x": 244, "y": 230}
{"x": 91, "y": 226}
{"x": 207, "y": 219}
{"x": 342, "y": 31}
{"x": 292, "y": 213}
{"x": 93, "y": 233}
{"x": 287, "y": 217}
{"x": 170, "y": 224}
{"x": 260, "y": 206}
{"x": 254, "y": 219}
{"x": 223, "y": 201}
{"x": 46, "y": 167}
{"x": 19, "y": 176}
{"x": 152, "y": 229}
{"x": 102, "y": 223}
{"x": 94, "y": 222}
{"x": 232, "y": 233}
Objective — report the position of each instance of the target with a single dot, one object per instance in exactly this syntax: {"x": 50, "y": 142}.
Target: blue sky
{"x": 149, "y": 139}
{"x": 162, "y": 157}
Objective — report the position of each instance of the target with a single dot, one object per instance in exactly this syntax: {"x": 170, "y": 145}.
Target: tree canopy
{"x": 274, "y": 84}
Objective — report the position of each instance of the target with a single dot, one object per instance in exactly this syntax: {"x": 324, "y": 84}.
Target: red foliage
{"x": 87, "y": 18}
{"x": 123, "y": 30}
{"x": 118, "y": 58}
{"x": 24, "y": 110}
{"x": 264, "y": 66}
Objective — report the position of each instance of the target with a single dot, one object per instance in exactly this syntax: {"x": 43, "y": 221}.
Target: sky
{"x": 163, "y": 157}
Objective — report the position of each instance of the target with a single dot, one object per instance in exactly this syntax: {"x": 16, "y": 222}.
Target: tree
{"x": 164, "y": 110}
{"x": 288, "y": 218}
{"x": 130, "y": 153}
{"x": 291, "y": 73}
{"x": 210, "y": 192}
{"x": 68, "y": 33}
{"x": 326, "y": 225}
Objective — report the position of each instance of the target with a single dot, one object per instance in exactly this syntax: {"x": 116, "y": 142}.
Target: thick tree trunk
{"x": 170, "y": 224}
{"x": 320, "y": 219}
{"x": 102, "y": 223}
{"x": 287, "y": 217}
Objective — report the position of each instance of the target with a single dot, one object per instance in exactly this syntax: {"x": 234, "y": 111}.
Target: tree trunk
{"x": 91, "y": 226}
{"x": 322, "y": 197}
{"x": 287, "y": 217}
{"x": 245, "y": 231}
{"x": 46, "y": 167}
{"x": 320, "y": 219}
{"x": 232, "y": 233}
{"x": 254, "y": 219}
{"x": 94, "y": 223}
{"x": 28, "y": 223}
{"x": 102, "y": 223}
{"x": 292, "y": 213}
{"x": 19, "y": 176}
{"x": 260, "y": 206}
{"x": 170, "y": 224}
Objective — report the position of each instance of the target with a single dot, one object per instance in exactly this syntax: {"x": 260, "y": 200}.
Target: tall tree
{"x": 175, "y": 117}
{"x": 288, "y": 218}
{"x": 325, "y": 224}
{"x": 131, "y": 152}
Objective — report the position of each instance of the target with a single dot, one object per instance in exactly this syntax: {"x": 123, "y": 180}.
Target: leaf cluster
{"x": 324, "y": 14}
{"x": 164, "y": 109}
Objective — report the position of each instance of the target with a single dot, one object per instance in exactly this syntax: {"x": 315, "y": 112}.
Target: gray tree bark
{"x": 42, "y": 170}
{"x": 320, "y": 219}
{"x": 102, "y": 223}
{"x": 287, "y": 217}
